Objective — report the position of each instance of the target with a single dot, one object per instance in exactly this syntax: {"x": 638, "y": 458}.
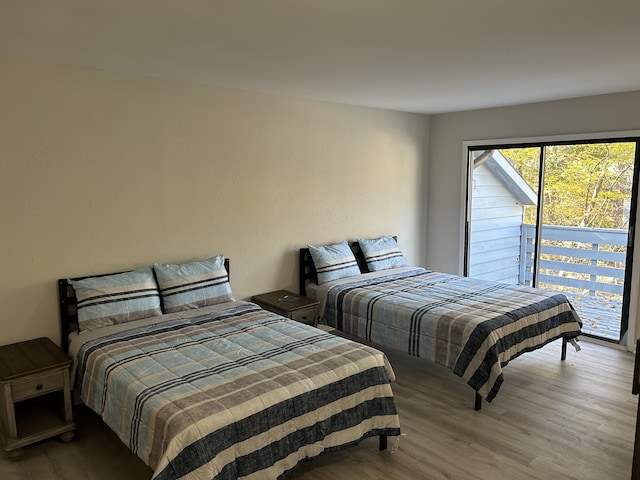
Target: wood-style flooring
{"x": 552, "y": 420}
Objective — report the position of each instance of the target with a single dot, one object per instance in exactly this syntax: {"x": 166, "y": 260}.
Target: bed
{"x": 473, "y": 327}
{"x": 200, "y": 385}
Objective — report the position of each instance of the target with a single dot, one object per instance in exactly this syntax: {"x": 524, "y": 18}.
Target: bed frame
{"x": 308, "y": 274}
{"x": 69, "y": 319}
{"x": 67, "y": 303}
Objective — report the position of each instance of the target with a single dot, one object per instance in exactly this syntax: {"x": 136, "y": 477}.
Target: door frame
{"x": 628, "y": 340}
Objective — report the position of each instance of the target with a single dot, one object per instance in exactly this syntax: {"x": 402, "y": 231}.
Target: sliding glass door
{"x": 558, "y": 216}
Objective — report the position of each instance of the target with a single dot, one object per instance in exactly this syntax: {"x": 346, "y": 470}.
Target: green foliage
{"x": 586, "y": 185}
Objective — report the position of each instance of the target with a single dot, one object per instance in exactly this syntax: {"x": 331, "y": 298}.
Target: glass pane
{"x": 503, "y": 212}
{"x": 586, "y": 201}
{"x": 585, "y": 217}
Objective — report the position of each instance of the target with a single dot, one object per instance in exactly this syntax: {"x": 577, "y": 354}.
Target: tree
{"x": 585, "y": 185}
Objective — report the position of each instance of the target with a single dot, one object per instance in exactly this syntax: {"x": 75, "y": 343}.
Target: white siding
{"x": 496, "y": 219}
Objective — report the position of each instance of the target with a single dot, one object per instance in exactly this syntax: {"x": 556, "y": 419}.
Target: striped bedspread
{"x": 471, "y": 326}
{"x": 237, "y": 393}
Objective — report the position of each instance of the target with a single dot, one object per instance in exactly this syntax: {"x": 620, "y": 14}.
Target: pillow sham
{"x": 381, "y": 253}
{"x": 194, "y": 284}
{"x": 333, "y": 261}
{"x": 118, "y": 298}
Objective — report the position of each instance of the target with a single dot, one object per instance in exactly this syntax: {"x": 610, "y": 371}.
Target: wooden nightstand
{"x": 290, "y": 305}
{"x": 35, "y": 394}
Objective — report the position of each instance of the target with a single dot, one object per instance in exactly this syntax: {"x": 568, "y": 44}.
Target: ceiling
{"x": 426, "y": 56}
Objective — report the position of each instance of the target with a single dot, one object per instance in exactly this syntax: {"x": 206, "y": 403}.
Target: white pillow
{"x": 381, "y": 253}
{"x": 333, "y": 261}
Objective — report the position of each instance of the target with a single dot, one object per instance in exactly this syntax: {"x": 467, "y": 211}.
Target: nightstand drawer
{"x": 305, "y": 315}
{"x": 37, "y": 385}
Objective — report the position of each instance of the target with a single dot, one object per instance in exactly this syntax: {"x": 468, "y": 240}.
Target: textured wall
{"x": 102, "y": 172}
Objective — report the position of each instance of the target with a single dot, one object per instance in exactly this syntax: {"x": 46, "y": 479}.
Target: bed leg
{"x": 478, "y": 404}
{"x": 563, "y": 356}
{"x": 383, "y": 442}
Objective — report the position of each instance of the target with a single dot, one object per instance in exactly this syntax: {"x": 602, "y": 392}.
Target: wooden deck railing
{"x": 587, "y": 259}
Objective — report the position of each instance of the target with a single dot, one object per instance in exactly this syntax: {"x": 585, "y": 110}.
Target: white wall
{"x": 603, "y": 113}
{"x": 102, "y": 172}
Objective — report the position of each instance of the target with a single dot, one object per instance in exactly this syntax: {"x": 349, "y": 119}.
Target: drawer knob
{"x": 39, "y": 386}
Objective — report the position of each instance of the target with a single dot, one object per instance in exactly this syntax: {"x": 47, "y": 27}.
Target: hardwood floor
{"x": 551, "y": 420}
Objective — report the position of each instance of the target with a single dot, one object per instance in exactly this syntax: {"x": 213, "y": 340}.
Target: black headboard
{"x": 307, "y": 270}
{"x": 67, "y": 304}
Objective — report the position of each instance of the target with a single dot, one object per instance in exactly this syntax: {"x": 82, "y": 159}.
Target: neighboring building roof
{"x": 508, "y": 175}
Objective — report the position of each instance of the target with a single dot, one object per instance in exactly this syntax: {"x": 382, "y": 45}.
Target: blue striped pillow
{"x": 193, "y": 285}
{"x": 333, "y": 261}
{"x": 118, "y": 298}
{"x": 381, "y": 253}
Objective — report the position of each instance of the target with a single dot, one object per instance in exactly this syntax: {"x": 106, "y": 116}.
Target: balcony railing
{"x": 587, "y": 264}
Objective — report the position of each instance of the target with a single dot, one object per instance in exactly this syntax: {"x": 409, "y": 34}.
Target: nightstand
{"x": 290, "y": 305}
{"x": 35, "y": 394}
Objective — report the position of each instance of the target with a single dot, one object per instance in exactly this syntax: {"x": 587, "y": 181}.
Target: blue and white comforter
{"x": 238, "y": 392}
{"x": 471, "y": 326}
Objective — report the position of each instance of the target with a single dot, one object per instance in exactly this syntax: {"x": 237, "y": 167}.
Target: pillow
{"x": 193, "y": 285}
{"x": 381, "y": 253}
{"x": 118, "y": 298}
{"x": 333, "y": 261}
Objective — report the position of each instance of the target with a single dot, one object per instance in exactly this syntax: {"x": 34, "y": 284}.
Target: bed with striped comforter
{"x": 238, "y": 392}
{"x": 471, "y": 326}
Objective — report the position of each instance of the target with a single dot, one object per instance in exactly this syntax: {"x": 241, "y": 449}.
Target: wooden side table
{"x": 35, "y": 394}
{"x": 290, "y": 305}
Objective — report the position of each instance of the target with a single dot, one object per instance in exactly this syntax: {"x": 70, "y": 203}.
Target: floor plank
{"x": 569, "y": 420}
